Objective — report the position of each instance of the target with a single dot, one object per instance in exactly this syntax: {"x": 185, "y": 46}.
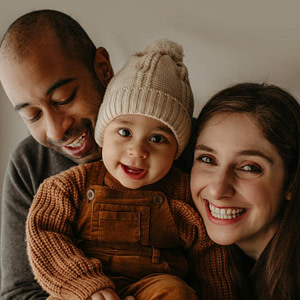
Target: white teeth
{"x": 78, "y": 142}
{"x": 225, "y": 213}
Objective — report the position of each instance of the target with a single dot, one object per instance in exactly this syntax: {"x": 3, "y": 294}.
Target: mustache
{"x": 73, "y": 132}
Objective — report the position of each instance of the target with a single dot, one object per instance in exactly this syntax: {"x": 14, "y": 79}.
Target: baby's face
{"x": 138, "y": 150}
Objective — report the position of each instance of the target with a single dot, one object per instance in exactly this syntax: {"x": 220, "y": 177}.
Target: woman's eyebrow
{"x": 256, "y": 153}
{"x": 203, "y": 147}
{"x": 251, "y": 152}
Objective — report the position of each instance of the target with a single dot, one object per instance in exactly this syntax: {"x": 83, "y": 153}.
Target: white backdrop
{"x": 225, "y": 42}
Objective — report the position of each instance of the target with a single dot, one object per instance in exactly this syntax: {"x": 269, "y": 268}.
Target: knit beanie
{"x": 153, "y": 83}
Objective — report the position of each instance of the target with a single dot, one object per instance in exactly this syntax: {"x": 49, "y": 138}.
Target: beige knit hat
{"x": 153, "y": 83}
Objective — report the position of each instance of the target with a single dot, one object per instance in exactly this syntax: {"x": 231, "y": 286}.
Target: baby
{"x": 124, "y": 226}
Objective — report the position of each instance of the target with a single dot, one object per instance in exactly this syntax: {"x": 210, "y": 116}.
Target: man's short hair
{"x": 31, "y": 26}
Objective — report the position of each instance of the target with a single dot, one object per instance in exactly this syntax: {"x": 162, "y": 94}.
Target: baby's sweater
{"x": 64, "y": 271}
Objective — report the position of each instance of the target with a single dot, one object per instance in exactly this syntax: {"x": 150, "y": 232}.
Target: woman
{"x": 245, "y": 182}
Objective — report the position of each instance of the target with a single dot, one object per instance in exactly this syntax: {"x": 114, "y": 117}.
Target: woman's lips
{"x": 224, "y": 214}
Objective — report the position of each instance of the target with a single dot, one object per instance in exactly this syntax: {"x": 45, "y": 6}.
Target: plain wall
{"x": 225, "y": 42}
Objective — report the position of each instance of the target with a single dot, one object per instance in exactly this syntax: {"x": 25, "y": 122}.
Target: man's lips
{"x": 133, "y": 172}
{"x": 79, "y": 146}
{"x": 78, "y": 142}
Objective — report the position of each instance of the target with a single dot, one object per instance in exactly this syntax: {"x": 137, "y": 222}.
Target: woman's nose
{"x": 221, "y": 185}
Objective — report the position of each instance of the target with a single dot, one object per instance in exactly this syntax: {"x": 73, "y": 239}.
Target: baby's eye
{"x": 124, "y": 132}
{"x": 158, "y": 139}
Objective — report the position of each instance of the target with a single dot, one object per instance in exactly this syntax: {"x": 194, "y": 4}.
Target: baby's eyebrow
{"x": 164, "y": 128}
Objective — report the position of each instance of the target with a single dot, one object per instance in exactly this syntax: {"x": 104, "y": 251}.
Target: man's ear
{"x": 102, "y": 66}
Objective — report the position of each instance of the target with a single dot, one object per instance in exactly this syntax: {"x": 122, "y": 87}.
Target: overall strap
{"x": 96, "y": 172}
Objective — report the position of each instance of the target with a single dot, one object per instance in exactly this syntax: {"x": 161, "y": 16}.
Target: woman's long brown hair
{"x": 277, "y": 114}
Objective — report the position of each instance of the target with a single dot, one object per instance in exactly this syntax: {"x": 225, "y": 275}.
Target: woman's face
{"x": 237, "y": 182}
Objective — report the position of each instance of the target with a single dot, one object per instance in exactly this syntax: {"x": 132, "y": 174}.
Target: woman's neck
{"x": 254, "y": 246}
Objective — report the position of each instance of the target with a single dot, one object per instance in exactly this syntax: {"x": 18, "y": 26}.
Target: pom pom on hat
{"x": 165, "y": 47}
{"x": 153, "y": 83}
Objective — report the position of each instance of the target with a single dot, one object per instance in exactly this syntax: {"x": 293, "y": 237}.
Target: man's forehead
{"x": 18, "y": 46}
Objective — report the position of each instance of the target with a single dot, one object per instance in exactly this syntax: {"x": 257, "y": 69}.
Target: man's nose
{"x": 57, "y": 125}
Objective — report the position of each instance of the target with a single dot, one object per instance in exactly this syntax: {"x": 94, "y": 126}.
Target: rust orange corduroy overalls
{"x": 135, "y": 237}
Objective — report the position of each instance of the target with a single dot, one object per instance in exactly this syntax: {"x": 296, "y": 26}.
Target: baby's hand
{"x": 105, "y": 294}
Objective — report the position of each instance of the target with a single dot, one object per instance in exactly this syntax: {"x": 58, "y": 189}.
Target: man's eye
{"x": 31, "y": 117}
{"x": 69, "y": 100}
{"x": 124, "y": 132}
{"x": 158, "y": 139}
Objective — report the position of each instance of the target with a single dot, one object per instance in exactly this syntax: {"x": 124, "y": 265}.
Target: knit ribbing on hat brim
{"x": 146, "y": 102}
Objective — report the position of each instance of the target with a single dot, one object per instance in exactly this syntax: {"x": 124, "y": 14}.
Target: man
{"x": 55, "y": 78}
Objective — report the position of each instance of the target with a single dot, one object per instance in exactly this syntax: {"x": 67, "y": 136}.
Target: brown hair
{"x": 277, "y": 113}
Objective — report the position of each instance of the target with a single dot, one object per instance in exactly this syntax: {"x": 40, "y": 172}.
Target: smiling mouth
{"x": 78, "y": 142}
{"x": 133, "y": 172}
{"x": 225, "y": 213}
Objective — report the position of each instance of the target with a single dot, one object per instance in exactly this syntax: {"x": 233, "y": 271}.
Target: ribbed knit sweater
{"x": 64, "y": 270}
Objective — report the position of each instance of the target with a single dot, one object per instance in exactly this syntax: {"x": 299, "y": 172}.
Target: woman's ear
{"x": 288, "y": 193}
{"x": 288, "y": 196}
{"x": 102, "y": 66}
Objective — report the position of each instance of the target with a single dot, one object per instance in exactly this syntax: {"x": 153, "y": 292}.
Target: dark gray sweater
{"x": 29, "y": 165}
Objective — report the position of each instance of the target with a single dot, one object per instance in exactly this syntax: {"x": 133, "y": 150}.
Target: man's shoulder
{"x": 31, "y": 155}
{"x": 29, "y": 146}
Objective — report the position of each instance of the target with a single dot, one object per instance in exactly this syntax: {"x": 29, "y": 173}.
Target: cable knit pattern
{"x": 65, "y": 272}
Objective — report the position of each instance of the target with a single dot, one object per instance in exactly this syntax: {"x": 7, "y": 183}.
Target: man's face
{"x": 57, "y": 97}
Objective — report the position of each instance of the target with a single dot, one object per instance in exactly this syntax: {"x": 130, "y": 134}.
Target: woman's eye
{"x": 158, "y": 139}
{"x": 251, "y": 168}
{"x": 124, "y": 132}
{"x": 206, "y": 159}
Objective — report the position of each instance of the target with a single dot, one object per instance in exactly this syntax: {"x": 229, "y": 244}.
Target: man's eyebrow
{"x": 53, "y": 87}
{"x": 18, "y": 107}
{"x": 58, "y": 84}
